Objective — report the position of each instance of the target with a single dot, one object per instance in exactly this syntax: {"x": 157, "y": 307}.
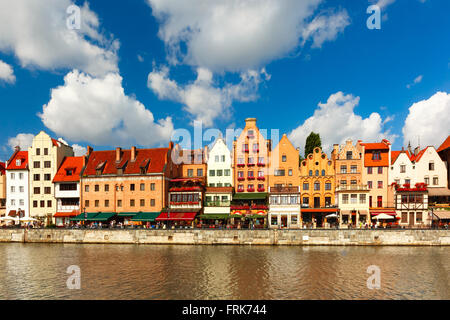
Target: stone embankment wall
{"x": 231, "y": 237}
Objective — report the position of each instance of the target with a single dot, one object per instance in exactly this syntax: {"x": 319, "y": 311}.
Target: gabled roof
{"x": 419, "y": 155}
{"x": 154, "y": 159}
{"x": 382, "y": 146}
{"x": 395, "y": 154}
{"x": 375, "y": 146}
{"x": 444, "y": 145}
{"x": 23, "y": 156}
{"x": 69, "y": 164}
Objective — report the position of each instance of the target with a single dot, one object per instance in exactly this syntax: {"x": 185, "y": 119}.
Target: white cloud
{"x": 237, "y": 35}
{"x": 97, "y": 110}
{"x": 36, "y": 33}
{"x": 336, "y": 121}
{"x": 23, "y": 140}
{"x": 382, "y": 3}
{"x": 428, "y": 120}
{"x": 417, "y": 80}
{"x": 201, "y": 98}
{"x": 6, "y": 73}
{"x": 78, "y": 150}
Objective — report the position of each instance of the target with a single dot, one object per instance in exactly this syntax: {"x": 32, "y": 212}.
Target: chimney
{"x": 118, "y": 154}
{"x": 416, "y": 151}
{"x": 250, "y": 122}
{"x": 89, "y": 150}
{"x": 409, "y": 148}
{"x": 171, "y": 145}
{"x": 17, "y": 149}
{"x": 133, "y": 153}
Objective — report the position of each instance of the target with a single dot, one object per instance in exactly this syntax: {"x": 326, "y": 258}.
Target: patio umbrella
{"x": 27, "y": 219}
{"x": 333, "y": 215}
{"x": 383, "y": 216}
{"x": 9, "y": 218}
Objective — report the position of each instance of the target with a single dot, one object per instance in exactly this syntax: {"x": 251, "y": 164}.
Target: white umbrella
{"x": 333, "y": 215}
{"x": 9, "y": 218}
{"x": 27, "y": 219}
{"x": 384, "y": 216}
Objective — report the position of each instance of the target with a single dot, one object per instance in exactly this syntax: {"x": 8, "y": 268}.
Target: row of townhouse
{"x": 253, "y": 184}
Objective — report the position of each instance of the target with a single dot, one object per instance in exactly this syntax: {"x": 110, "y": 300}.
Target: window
{"x": 190, "y": 172}
{"x": 290, "y": 172}
{"x": 47, "y": 164}
{"x": 45, "y": 151}
{"x": 216, "y": 158}
{"x": 106, "y": 203}
{"x": 199, "y": 172}
{"x": 21, "y": 189}
{"x": 132, "y": 187}
{"x": 152, "y": 202}
{"x": 18, "y": 162}
{"x": 427, "y": 180}
{"x": 402, "y": 168}
{"x": 260, "y": 174}
{"x": 13, "y": 202}
{"x": 323, "y": 173}
{"x": 369, "y": 184}
{"x": 404, "y": 217}
{"x": 219, "y": 173}
{"x": 397, "y": 181}
{"x": 279, "y": 172}
{"x": 376, "y": 155}
{"x": 418, "y": 217}
{"x": 353, "y": 198}
{"x": 142, "y": 202}
{"x": 380, "y": 170}
{"x": 47, "y": 177}
{"x": 310, "y": 173}
{"x": 369, "y": 170}
{"x": 97, "y": 203}
{"x": 261, "y": 160}
{"x": 328, "y": 186}
{"x": 362, "y": 198}
{"x": 38, "y": 151}
{"x": 353, "y": 182}
{"x": 283, "y": 158}
{"x": 380, "y": 201}
{"x": 316, "y": 186}
{"x": 36, "y": 164}
{"x": 344, "y": 183}
{"x": 435, "y": 181}
{"x": 21, "y": 176}
{"x": 240, "y": 174}
{"x": 152, "y": 186}
{"x": 223, "y": 158}
{"x": 42, "y": 203}
{"x": 250, "y": 134}
{"x": 227, "y": 172}
{"x": 255, "y": 147}
{"x": 119, "y": 203}
{"x": 86, "y": 203}
{"x": 96, "y": 188}
{"x": 244, "y": 147}
{"x": 317, "y": 173}
{"x": 240, "y": 160}
{"x": 106, "y": 187}
{"x": 380, "y": 184}
{"x": 47, "y": 190}
{"x": 343, "y": 169}
{"x": 431, "y": 166}
{"x": 36, "y": 177}
{"x": 37, "y": 190}
{"x": 142, "y": 187}
{"x": 131, "y": 202}
{"x": 35, "y": 204}
{"x": 12, "y": 176}
{"x": 306, "y": 201}
{"x": 250, "y": 174}
{"x": 250, "y": 160}
{"x": 13, "y": 189}
{"x": 345, "y": 198}
{"x": 86, "y": 188}
{"x": 408, "y": 181}
{"x": 353, "y": 169}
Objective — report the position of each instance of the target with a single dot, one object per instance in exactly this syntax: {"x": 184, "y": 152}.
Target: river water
{"x": 39, "y": 271}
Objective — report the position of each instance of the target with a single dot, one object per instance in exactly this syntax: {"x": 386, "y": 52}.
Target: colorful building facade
{"x": 17, "y": 185}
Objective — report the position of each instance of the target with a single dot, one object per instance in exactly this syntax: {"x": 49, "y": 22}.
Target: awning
{"x": 435, "y": 192}
{"x": 255, "y": 216}
{"x": 363, "y": 212}
{"x": 65, "y": 214}
{"x": 127, "y": 214}
{"x": 442, "y": 215}
{"x": 384, "y": 216}
{"x": 176, "y": 216}
{"x": 319, "y": 210}
{"x": 103, "y": 216}
{"x": 250, "y": 196}
{"x": 146, "y": 216}
{"x": 377, "y": 212}
{"x": 346, "y": 212}
{"x": 214, "y": 216}
{"x": 80, "y": 217}
{"x": 12, "y": 213}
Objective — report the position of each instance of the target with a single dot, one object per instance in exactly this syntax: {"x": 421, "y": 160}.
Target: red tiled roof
{"x": 107, "y": 161}
{"x": 73, "y": 163}
{"x": 219, "y": 189}
{"x": 2, "y": 167}
{"x": 419, "y": 155}
{"x": 22, "y": 155}
{"x": 376, "y": 146}
{"x": 395, "y": 154}
{"x": 444, "y": 145}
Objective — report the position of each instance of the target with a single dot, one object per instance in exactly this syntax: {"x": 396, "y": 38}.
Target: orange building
{"x": 284, "y": 165}
{"x": 127, "y": 182}
{"x": 317, "y": 184}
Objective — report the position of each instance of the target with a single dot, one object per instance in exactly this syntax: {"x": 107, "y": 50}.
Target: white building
{"x": 220, "y": 172}
{"x": 284, "y": 207}
{"x": 17, "y": 185}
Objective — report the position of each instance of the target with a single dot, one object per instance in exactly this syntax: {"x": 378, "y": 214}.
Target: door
{"x": 370, "y": 201}
{"x": 316, "y": 202}
{"x": 411, "y": 219}
{"x": 380, "y": 201}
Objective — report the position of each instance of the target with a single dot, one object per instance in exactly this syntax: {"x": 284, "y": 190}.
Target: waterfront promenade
{"x": 300, "y": 237}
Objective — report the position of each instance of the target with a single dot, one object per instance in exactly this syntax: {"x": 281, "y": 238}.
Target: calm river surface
{"x": 38, "y": 271}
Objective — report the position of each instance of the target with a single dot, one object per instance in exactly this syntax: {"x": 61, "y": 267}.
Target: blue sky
{"x": 176, "y": 63}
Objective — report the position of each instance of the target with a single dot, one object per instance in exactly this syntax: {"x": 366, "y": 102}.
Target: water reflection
{"x": 38, "y": 271}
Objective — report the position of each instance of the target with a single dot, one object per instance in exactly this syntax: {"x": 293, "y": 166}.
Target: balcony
{"x": 241, "y": 165}
{"x": 261, "y": 164}
{"x": 251, "y": 178}
{"x": 261, "y": 178}
{"x": 352, "y": 188}
{"x": 217, "y": 203}
{"x": 185, "y": 203}
{"x": 250, "y": 189}
{"x": 182, "y": 189}
{"x": 261, "y": 189}
{"x": 240, "y": 178}
{"x": 250, "y": 165}
{"x": 245, "y": 150}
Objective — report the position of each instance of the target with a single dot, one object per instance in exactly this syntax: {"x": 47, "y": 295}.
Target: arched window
{"x": 317, "y": 173}
{"x": 323, "y": 172}
{"x": 310, "y": 173}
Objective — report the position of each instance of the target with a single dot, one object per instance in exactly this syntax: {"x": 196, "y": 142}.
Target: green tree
{"x": 312, "y": 142}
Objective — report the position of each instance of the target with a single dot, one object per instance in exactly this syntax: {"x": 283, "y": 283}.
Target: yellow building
{"x": 45, "y": 157}
{"x": 317, "y": 184}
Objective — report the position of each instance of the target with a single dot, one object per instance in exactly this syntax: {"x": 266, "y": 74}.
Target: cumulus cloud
{"x": 78, "y": 150}
{"x": 201, "y": 98}
{"x": 96, "y": 109}
{"x": 23, "y": 140}
{"x": 382, "y": 3}
{"x": 417, "y": 80}
{"x": 6, "y": 73}
{"x": 237, "y": 35}
{"x": 428, "y": 120}
{"x": 37, "y": 33}
{"x": 336, "y": 122}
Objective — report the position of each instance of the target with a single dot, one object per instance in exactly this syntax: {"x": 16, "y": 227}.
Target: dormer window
{"x": 376, "y": 155}
{"x": 18, "y": 162}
